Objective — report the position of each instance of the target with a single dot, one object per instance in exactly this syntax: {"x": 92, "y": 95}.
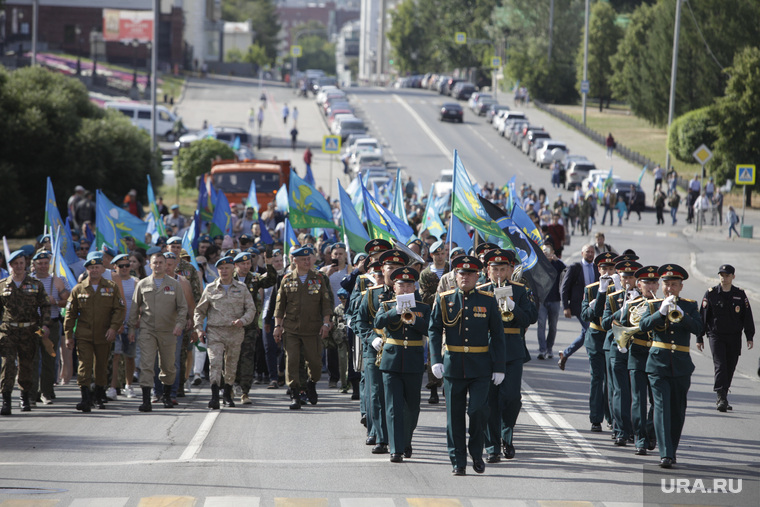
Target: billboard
{"x": 121, "y": 25}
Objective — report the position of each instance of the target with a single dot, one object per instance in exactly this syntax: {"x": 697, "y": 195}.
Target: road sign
{"x": 296, "y": 51}
{"x": 331, "y": 144}
{"x": 585, "y": 87}
{"x": 495, "y": 62}
{"x": 460, "y": 38}
{"x": 745, "y": 174}
{"x": 702, "y": 154}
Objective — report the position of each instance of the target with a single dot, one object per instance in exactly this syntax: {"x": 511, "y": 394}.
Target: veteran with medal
{"x": 405, "y": 323}
{"x": 474, "y": 356}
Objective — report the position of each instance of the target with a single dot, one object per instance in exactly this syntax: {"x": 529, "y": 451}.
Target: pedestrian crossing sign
{"x": 495, "y": 62}
{"x": 745, "y": 174}
{"x": 460, "y": 37}
{"x": 331, "y": 144}
{"x": 295, "y": 51}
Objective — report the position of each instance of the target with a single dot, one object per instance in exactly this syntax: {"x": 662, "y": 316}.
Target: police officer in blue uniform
{"x": 518, "y": 311}
{"x": 365, "y": 327}
{"x": 474, "y": 357}
{"x": 592, "y": 311}
{"x": 672, "y": 321}
{"x": 402, "y": 361}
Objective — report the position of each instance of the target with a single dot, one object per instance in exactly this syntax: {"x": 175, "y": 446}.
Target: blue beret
{"x": 170, "y": 255}
{"x": 254, "y": 250}
{"x": 232, "y": 252}
{"x": 120, "y": 257}
{"x": 173, "y": 240}
{"x": 175, "y": 206}
{"x": 224, "y": 260}
{"x": 456, "y": 252}
{"x": 242, "y": 257}
{"x": 93, "y": 255}
{"x": 94, "y": 261}
{"x": 204, "y": 237}
{"x": 76, "y": 245}
{"x": 43, "y": 254}
{"x": 358, "y": 257}
{"x": 219, "y": 236}
{"x": 301, "y": 252}
{"x": 110, "y": 251}
{"x": 43, "y": 237}
{"x": 15, "y": 255}
{"x": 342, "y": 293}
{"x": 436, "y": 246}
{"x": 153, "y": 251}
{"x": 28, "y": 250}
{"x": 161, "y": 240}
{"x": 276, "y": 251}
{"x": 245, "y": 238}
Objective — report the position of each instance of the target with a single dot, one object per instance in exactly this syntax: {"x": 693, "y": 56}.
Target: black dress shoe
{"x": 433, "y": 400}
{"x": 509, "y": 451}
{"x": 363, "y": 421}
{"x": 641, "y": 451}
{"x": 459, "y": 471}
{"x": 652, "y": 444}
{"x": 666, "y": 462}
{"x": 479, "y": 466}
{"x": 631, "y": 440}
{"x": 380, "y": 449}
{"x": 397, "y": 458}
{"x": 596, "y": 427}
{"x": 295, "y": 405}
{"x": 371, "y": 440}
{"x": 621, "y": 441}
{"x": 408, "y": 452}
{"x": 493, "y": 458}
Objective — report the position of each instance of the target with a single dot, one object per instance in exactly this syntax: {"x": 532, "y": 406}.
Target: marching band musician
{"x": 518, "y": 311}
{"x": 474, "y": 356}
{"x": 617, "y": 302}
{"x": 672, "y": 321}
{"x": 592, "y": 310}
{"x": 402, "y": 361}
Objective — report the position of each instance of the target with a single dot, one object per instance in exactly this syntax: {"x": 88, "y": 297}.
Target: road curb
{"x": 710, "y": 281}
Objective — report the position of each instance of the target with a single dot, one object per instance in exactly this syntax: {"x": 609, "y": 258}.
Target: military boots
{"x": 84, "y": 405}
{"x": 146, "y": 405}
{"x": 6, "y": 410}
{"x": 227, "y": 397}
{"x": 214, "y": 403}
{"x": 167, "y": 398}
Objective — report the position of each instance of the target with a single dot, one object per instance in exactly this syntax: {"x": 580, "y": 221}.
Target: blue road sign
{"x": 331, "y": 144}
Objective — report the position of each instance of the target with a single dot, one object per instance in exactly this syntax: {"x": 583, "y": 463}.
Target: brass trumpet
{"x": 407, "y": 317}
{"x": 675, "y": 315}
{"x": 506, "y": 314}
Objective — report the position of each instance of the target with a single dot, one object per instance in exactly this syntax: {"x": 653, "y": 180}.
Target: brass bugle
{"x": 407, "y": 317}
{"x": 506, "y": 314}
{"x": 675, "y": 315}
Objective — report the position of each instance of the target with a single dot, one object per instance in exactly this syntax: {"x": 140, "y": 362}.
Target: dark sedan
{"x": 452, "y": 111}
{"x": 623, "y": 188}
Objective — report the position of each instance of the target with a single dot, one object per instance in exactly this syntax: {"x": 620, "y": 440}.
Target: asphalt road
{"x": 265, "y": 454}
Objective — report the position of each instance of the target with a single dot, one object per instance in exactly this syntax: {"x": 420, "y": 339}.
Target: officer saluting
{"x": 402, "y": 362}
{"x": 474, "y": 356}
{"x": 517, "y": 313}
{"x": 669, "y": 366}
{"x": 725, "y": 312}
{"x": 25, "y": 310}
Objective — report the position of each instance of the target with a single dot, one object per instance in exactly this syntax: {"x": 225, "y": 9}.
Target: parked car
{"x": 577, "y": 171}
{"x": 483, "y": 104}
{"x": 350, "y": 126}
{"x": 140, "y": 115}
{"x": 596, "y": 177}
{"x": 475, "y": 97}
{"x": 463, "y": 90}
{"x": 364, "y": 159}
{"x": 508, "y": 118}
{"x": 549, "y": 152}
{"x": 531, "y": 137}
{"x": 451, "y": 111}
{"x": 445, "y": 183}
{"x": 494, "y": 110}
{"x": 623, "y": 188}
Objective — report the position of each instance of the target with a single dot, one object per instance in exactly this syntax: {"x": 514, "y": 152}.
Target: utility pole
{"x": 551, "y": 30}
{"x": 673, "y": 73}
{"x": 381, "y": 41}
{"x": 153, "y": 72}
{"x": 35, "y": 23}
{"x": 585, "y": 62}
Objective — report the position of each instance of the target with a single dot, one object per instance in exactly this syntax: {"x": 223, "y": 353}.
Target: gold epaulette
{"x": 687, "y": 300}
{"x": 616, "y": 293}
{"x": 637, "y": 300}
{"x": 591, "y": 285}
{"x": 482, "y": 285}
{"x": 710, "y": 289}
{"x": 652, "y": 303}
{"x": 375, "y": 286}
{"x": 485, "y": 292}
{"x": 446, "y": 293}
{"x": 517, "y": 283}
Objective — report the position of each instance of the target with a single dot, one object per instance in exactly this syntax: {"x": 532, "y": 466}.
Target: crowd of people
{"x": 375, "y": 322}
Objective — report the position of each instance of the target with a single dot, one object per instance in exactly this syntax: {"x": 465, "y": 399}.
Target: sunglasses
{"x": 122, "y": 265}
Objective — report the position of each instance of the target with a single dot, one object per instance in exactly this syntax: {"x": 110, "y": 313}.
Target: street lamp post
{"x": 135, "y": 43}
{"x": 78, "y": 32}
{"x": 147, "y": 85}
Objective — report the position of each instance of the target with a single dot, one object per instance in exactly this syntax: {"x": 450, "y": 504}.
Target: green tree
{"x": 737, "y": 117}
{"x": 316, "y": 51}
{"x": 234, "y": 55}
{"x": 603, "y": 39}
{"x": 264, "y": 22}
{"x": 195, "y": 160}
{"x": 407, "y": 37}
{"x": 49, "y": 127}
{"x": 689, "y": 131}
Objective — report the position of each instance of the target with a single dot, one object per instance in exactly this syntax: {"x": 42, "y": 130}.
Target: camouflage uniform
{"x": 247, "y": 362}
{"x": 187, "y": 270}
{"x": 26, "y": 305}
{"x": 338, "y": 339}
{"x": 222, "y": 338}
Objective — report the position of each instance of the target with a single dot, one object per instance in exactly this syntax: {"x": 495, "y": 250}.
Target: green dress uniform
{"x": 25, "y": 309}
{"x": 504, "y": 400}
{"x": 669, "y": 367}
{"x": 428, "y": 287}
{"x": 599, "y": 407}
{"x": 475, "y": 348}
{"x": 246, "y": 362}
{"x": 363, "y": 283}
{"x": 641, "y": 418}
{"x": 618, "y": 368}
{"x": 402, "y": 365}
{"x": 93, "y": 310}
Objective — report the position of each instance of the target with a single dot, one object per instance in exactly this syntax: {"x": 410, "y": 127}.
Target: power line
{"x": 699, "y": 30}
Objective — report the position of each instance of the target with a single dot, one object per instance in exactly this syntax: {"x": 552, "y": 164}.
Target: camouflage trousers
{"x": 223, "y": 346}
{"x": 21, "y": 344}
{"x": 247, "y": 360}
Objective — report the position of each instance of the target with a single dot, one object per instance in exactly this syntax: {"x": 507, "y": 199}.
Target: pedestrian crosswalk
{"x": 254, "y": 501}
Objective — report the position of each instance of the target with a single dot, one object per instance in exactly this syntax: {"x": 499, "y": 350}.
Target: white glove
{"x": 633, "y": 294}
{"x": 437, "y": 369}
{"x": 604, "y": 282}
{"x": 377, "y": 343}
{"x": 617, "y": 282}
{"x": 592, "y": 304}
{"x": 497, "y": 378}
{"x": 622, "y": 350}
{"x": 510, "y": 304}
{"x": 680, "y": 309}
{"x": 666, "y": 304}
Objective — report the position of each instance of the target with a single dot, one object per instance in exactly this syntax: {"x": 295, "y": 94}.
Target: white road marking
{"x": 448, "y": 153}
{"x": 194, "y": 447}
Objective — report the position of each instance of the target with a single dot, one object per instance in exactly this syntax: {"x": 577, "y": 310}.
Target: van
{"x": 233, "y": 177}
{"x": 140, "y": 116}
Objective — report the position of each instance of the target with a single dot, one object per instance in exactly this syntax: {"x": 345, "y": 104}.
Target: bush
{"x": 691, "y": 130}
{"x": 195, "y": 160}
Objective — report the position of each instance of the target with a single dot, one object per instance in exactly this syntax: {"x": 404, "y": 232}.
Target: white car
{"x": 595, "y": 177}
{"x": 367, "y": 144}
{"x": 362, "y": 160}
{"x": 508, "y": 118}
{"x": 549, "y": 152}
{"x": 445, "y": 183}
{"x": 340, "y": 118}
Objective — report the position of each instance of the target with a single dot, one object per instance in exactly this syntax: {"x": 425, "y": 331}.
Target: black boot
{"x": 311, "y": 392}
{"x": 722, "y": 402}
{"x": 355, "y": 389}
{"x": 433, "y": 396}
{"x": 25, "y": 405}
{"x": 146, "y": 405}
{"x": 100, "y": 396}
{"x": 7, "y": 398}
{"x": 84, "y": 405}
{"x": 295, "y": 402}
{"x": 228, "y": 396}
{"x": 167, "y": 398}
{"x": 214, "y": 403}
